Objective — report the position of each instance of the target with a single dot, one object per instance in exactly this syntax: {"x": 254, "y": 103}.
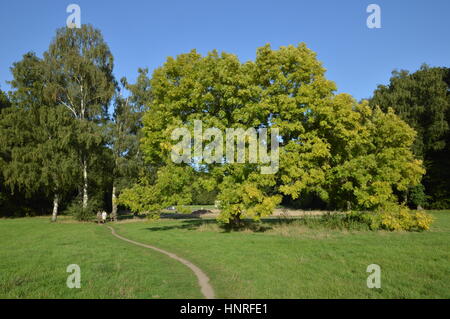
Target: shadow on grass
{"x": 187, "y": 224}
{"x": 327, "y": 221}
{"x": 130, "y": 216}
{"x": 194, "y": 223}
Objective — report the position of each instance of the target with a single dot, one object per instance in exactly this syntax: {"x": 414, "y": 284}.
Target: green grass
{"x": 282, "y": 260}
{"x": 294, "y": 261}
{"x": 34, "y": 256}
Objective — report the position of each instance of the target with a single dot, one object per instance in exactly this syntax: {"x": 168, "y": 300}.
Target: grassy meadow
{"x": 281, "y": 258}
{"x": 35, "y": 254}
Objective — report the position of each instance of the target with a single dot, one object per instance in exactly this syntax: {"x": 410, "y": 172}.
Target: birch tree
{"x": 78, "y": 75}
{"x": 36, "y": 155}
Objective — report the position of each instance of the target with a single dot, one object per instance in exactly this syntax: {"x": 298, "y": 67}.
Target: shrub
{"x": 332, "y": 221}
{"x": 393, "y": 217}
{"x": 152, "y": 216}
{"x": 76, "y": 210}
{"x": 417, "y": 196}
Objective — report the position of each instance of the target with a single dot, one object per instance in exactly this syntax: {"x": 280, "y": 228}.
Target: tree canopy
{"x": 330, "y": 145}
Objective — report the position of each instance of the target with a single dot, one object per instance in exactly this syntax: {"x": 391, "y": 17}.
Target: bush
{"x": 417, "y": 197}
{"x": 441, "y": 204}
{"x": 152, "y": 216}
{"x": 76, "y": 210}
{"x": 331, "y": 221}
{"x": 337, "y": 221}
{"x": 393, "y": 217}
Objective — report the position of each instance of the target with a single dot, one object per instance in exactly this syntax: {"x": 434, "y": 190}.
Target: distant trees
{"x": 344, "y": 152}
{"x": 422, "y": 100}
{"x": 124, "y": 137}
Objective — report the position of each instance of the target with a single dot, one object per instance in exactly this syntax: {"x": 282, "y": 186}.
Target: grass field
{"x": 285, "y": 260}
{"x": 34, "y": 255}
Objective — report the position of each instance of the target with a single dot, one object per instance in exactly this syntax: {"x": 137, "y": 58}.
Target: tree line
{"x": 74, "y": 138}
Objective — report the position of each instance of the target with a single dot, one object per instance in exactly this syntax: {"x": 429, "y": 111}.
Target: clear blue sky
{"x": 142, "y": 33}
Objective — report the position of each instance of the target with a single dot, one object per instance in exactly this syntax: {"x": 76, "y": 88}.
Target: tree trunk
{"x": 85, "y": 183}
{"x": 114, "y": 204}
{"x": 235, "y": 222}
{"x": 55, "y": 208}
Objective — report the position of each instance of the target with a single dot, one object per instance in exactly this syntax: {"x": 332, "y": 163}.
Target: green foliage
{"x": 124, "y": 135}
{"x": 417, "y": 196}
{"x": 37, "y": 148}
{"x": 393, "y": 218}
{"x": 330, "y": 146}
{"x": 78, "y": 74}
{"x": 16, "y": 204}
{"x": 332, "y": 221}
{"x": 246, "y": 196}
{"x": 153, "y": 216}
{"x": 79, "y": 68}
{"x": 80, "y": 213}
{"x": 125, "y": 125}
{"x": 422, "y": 100}
{"x": 4, "y": 101}
{"x": 203, "y": 197}
{"x": 36, "y": 136}
{"x": 53, "y": 138}
{"x": 377, "y": 161}
{"x": 172, "y": 186}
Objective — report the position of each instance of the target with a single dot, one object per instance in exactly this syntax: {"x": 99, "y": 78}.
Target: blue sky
{"x": 144, "y": 33}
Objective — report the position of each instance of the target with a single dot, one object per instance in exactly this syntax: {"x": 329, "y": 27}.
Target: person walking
{"x": 104, "y": 216}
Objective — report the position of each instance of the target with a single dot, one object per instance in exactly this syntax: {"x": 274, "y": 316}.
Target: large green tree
{"x": 422, "y": 100}
{"x": 329, "y": 145}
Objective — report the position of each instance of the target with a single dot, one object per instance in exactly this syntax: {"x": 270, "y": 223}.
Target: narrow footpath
{"x": 203, "y": 279}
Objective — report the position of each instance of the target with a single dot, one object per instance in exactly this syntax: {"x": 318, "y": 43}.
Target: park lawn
{"x": 284, "y": 261}
{"x": 34, "y": 255}
{"x": 287, "y": 261}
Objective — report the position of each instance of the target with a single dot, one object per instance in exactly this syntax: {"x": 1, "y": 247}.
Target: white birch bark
{"x": 55, "y": 208}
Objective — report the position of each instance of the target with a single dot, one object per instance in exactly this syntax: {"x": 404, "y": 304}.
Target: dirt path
{"x": 203, "y": 279}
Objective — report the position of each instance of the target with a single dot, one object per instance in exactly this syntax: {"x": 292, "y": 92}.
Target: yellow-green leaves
{"x": 330, "y": 145}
